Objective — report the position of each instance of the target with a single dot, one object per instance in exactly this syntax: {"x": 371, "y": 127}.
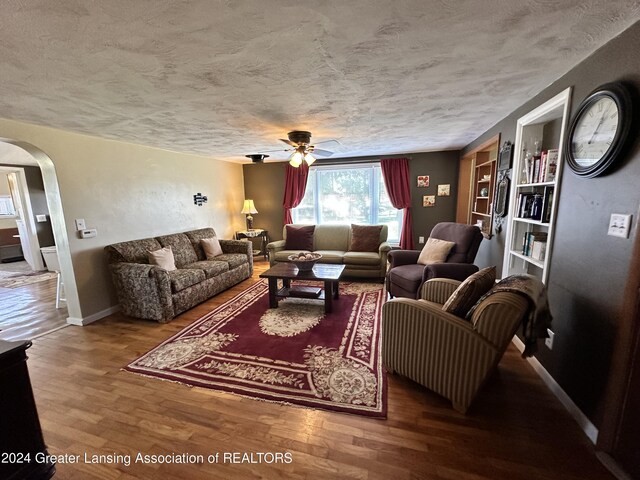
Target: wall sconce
{"x": 199, "y": 199}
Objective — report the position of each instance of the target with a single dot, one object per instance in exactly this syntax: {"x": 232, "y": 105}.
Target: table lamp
{"x": 249, "y": 208}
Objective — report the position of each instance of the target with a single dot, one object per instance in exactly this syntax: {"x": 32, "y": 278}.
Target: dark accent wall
{"x": 589, "y": 269}
{"x": 264, "y": 183}
{"x": 35, "y": 185}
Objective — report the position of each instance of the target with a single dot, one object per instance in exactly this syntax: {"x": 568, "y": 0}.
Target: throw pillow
{"x": 435, "y": 251}
{"x": 365, "y": 238}
{"x": 470, "y": 291}
{"x": 211, "y": 247}
{"x": 162, "y": 258}
{"x": 299, "y": 238}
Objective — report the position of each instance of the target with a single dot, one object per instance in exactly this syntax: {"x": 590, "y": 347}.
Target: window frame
{"x": 376, "y": 179}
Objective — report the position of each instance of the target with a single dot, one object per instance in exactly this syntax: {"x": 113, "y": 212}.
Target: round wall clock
{"x": 599, "y": 130}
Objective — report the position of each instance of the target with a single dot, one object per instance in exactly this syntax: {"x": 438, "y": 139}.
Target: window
{"x": 6, "y": 206}
{"x": 348, "y": 194}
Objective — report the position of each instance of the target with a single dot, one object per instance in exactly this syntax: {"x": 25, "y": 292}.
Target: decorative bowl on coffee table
{"x": 304, "y": 261}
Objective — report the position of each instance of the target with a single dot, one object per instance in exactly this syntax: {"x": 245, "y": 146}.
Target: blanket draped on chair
{"x": 538, "y": 317}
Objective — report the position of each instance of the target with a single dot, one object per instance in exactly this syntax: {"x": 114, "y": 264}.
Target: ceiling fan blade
{"x": 289, "y": 142}
{"x": 278, "y": 150}
{"x": 335, "y": 144}
{"x": 322, "y": 153}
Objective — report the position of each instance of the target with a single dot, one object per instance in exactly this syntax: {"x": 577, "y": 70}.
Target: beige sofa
{"x": 332, "y": 242}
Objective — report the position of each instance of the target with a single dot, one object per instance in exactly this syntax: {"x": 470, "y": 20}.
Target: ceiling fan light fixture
{"x": 296, "y": 159}
{"x": 309, "y": 159}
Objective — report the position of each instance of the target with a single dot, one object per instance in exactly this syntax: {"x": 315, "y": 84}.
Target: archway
{"x": 54, "y": 202}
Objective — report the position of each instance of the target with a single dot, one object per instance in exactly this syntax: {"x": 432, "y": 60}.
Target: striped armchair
{"x": 445, "y": 353}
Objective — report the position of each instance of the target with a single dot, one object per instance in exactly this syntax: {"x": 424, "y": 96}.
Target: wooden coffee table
{"x": 322, "y": 272}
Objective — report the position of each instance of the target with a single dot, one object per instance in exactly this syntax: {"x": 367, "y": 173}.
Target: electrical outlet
{"x": 420, "y": 239}
{"x": 549, "y": 341}
{"x": 41, "y": 218}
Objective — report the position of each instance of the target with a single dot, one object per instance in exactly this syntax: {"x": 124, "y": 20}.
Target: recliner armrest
{"x": 403, "y": 257}
{"x": 455, "y": 271}
{"x": 438, "y": 290}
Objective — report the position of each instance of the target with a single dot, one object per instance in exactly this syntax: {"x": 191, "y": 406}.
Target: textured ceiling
{"x": 226, "y": 78}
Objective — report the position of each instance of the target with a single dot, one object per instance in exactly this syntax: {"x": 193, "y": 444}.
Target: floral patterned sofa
{"x": 150, "y": 292}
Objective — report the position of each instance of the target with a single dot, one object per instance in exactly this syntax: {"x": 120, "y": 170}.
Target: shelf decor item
{"x": 600, "y": 130}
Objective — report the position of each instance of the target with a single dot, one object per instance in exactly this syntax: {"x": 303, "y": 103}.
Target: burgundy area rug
{"x": 294, "y": 354}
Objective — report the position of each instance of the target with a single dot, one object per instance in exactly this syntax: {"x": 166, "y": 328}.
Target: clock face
{"x": 595, "y": 131}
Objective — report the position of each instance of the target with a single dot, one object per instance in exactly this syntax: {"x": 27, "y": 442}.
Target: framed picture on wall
{"x": 429, "y": 201}
{"x": 423, "y": 180}
{"x": 506, "y": 152}
{"x": 444, "y": 190}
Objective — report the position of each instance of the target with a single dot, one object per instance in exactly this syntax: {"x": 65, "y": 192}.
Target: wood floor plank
{"x": 516, "y": 429}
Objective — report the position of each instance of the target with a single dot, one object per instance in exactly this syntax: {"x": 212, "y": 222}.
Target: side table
{"x": 254, "y": 233}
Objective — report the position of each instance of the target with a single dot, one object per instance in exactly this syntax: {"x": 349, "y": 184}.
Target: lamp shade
{"x": 248, "y": 207}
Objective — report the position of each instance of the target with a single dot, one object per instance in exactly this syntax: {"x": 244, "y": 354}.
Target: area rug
{"x": 22, "y": 280}
{"x": 294, "y": 354}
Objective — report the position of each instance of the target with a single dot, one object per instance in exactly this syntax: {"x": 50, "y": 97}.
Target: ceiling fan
{"x": 300, "y": 140}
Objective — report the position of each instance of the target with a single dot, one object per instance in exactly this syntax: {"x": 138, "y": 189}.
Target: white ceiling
{"x": 226, "y": 78}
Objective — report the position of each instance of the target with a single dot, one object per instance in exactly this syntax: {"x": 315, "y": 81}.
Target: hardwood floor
{"x": 516, "y": 429}
{"x": 30, "y": 310}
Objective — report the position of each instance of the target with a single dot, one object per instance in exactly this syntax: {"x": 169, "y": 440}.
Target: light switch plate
{"x": 80, "y": 225}
{"x": 619, "y": 225}
{"x": 41, "y": 218}
{"x": 420, "y": 239}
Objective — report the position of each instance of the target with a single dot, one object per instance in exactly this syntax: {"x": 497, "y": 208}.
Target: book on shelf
{"x": 552, "y": 165}
{"x": 539, "y": 249}
{"x": 543, "y": 166}
{"x": 536, "y": 170}
{"x": 547, "y": 202}
{"x": 525, "y": 205}
{"x": 529, "y": 239}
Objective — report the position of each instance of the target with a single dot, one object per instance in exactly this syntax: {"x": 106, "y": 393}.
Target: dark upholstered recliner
{"x": 405, "y": 277}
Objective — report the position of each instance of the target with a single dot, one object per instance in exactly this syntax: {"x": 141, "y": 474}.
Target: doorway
{"x": 16, "y": 159}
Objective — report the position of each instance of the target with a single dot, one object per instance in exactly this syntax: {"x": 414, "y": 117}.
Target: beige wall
{"x": 126, "y": 192}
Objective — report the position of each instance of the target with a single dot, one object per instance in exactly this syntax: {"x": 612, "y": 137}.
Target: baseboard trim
{"x": 588, "y": 428}
{"x": 82, "y": 321}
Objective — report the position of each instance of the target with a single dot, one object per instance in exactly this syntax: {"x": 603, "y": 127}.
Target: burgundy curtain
{"x": 395, "y": 172}
{"x": 295, "y": 184}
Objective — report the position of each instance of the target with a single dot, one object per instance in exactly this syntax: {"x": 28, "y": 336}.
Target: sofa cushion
{"x": 233, "y": 259}
{"x": 195, "y": 236}
{"x": 185, "y": 277}
{"x": 435, "y": 251}
{"x": 331, "y": 237}
{"x": 211, "y": 268}
{"x": 162, "y": 258}
{"x": 362, "y": 258}
{"x": 365, "y": 238}
{"x": 470, "y": 291}
{"x": 299, "y": 238}
{"x": 211, "y": 247}
{"x": 331, "y": 256}
{"x": 182, "y": 249}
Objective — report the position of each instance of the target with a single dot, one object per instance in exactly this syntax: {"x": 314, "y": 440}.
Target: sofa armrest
{"x": 403, "y": 257}
{"x": 435, "y": 348}
{"x": 144, "y": 291}
{"x": 272, "y": 248}
{"x": 384, "y": 247}
{"x": 237, "y": 246}
{"x": 438, "y": 290}
{"x": 455, "y": 271}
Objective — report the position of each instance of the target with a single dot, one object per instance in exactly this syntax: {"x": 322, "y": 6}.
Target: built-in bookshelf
{"x": 477, "y": 181}
{"x": 535, "y": 185}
